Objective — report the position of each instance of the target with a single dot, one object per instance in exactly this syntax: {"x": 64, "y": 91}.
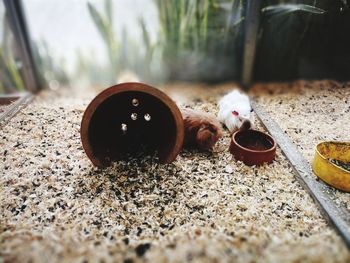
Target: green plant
{"x": 124, "y": 53}
{"x": 10, "y": 73}
{"x": 104, "y": 24}
{"x": 201, "y": 36}
{"x": 185, "y": 23}
{"x": 10, "y": 76}
{"x": 11, "y": 79}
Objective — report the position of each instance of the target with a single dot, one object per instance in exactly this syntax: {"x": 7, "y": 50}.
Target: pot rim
{"x": 233, "y": 138}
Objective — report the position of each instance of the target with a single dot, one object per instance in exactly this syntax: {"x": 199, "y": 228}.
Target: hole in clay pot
{"x": 124, "y": 128}
{"x": 141, "y": 137}
{"x": 147, "y": 117}
{"x": 135, "y": 102}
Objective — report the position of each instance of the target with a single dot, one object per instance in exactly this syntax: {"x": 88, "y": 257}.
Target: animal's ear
{"x": 235, "y": 113}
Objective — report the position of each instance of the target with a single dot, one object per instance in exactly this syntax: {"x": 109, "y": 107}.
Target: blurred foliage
{"x": 86, "y": 66}
{"x": 104, "y": 24}
{"x": 202, "y": 40}
{"x": 52, "y": 70}
{"x": 10, "y": 75}
{"x": 199, "y": 37}
{"x": 124, "y": 54}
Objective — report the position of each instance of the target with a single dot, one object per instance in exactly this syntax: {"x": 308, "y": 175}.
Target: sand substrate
{"x": 309, "y": 112}
{"x": 204, "y": 207}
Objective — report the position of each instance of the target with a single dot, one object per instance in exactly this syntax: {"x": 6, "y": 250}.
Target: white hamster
{"x": 235, "y": 111}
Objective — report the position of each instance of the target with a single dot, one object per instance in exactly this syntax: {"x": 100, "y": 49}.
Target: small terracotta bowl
{"x": 253, "y": 147}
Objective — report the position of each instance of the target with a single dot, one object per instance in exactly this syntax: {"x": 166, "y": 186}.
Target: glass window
{"x": 11, "y": 79}
{"x": 303, "y": 39}
{"x": 95, "y": 42}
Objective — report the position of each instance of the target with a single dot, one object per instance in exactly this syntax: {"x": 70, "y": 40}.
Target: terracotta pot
{"x": 253, "y": 147}
{"x": 126, "y": 119}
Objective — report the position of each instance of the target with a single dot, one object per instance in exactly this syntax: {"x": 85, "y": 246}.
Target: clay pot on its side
{"x": 127, "y": 116}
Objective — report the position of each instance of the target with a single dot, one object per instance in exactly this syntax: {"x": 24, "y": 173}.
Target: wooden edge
{"x": 337, "y": 215}
{"x": 15, "y": 107}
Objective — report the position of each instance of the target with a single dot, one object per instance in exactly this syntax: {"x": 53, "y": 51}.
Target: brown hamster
{"x": 201, "y": 129}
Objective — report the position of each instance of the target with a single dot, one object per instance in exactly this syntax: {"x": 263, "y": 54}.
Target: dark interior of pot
{"x": 131, "y": 122}
{"x": 254, "y": 140}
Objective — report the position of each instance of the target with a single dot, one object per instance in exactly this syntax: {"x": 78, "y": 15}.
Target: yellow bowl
{"x": 329, "y": 172}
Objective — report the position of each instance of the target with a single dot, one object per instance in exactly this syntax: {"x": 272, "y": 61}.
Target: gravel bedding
{"x": 310, "y": 112}
{"x": 204, "y": 207}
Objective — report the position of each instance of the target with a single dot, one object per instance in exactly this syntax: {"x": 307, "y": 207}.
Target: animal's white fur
{"x": 234, "y": 101}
